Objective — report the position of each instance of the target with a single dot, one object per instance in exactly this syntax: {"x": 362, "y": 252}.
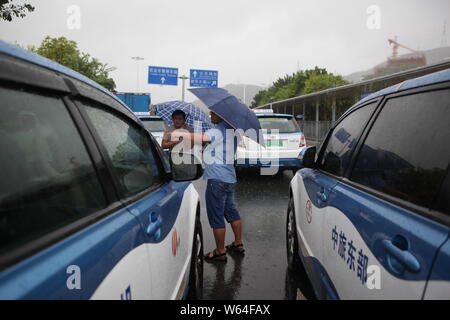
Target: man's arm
{"x": 194, "y": 137}
{"x": 167, "y": 144}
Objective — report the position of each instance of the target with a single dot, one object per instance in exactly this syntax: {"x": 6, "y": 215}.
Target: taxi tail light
{"x": 302, "y": 141}
{"x": 242, "y": 145}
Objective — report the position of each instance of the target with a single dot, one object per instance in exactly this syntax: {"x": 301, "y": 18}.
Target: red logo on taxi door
{"x": 175, "y": 242}
{"x": 308, "y": 211}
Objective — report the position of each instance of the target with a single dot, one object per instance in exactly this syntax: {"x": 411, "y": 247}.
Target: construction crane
{"x": 397, "y": 63}
{"x": 416, "y": 58}
{"x": 395, "y": 47}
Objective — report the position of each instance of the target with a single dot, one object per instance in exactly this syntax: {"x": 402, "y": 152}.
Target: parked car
{"x": 155, "y": 124}
{"x": 284, "y": 142}
{"x": 89, "y": 208}
{"x": 369, "y": 215}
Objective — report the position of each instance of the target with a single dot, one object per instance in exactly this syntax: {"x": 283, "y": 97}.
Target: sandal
{"x": 221, "y": 257}
{"x": 238, "y": 248}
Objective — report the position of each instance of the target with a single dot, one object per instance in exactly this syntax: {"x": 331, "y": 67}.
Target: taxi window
{"x": 129, "y": 149}
{"x": 154, "y": 125}
{"x": 336, "y": 157}
{"x": 283, "y": 125}
{"x": 48, "y": 180}
{"x": 406, "y": 153}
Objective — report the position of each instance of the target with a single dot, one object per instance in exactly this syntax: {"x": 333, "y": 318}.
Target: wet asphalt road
{"x": 262, "y": 272}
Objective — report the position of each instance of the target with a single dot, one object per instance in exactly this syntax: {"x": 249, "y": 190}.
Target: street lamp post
{"x": 137, "y": 75}
{"x": 184, "y": 78}
{"x": 271, "y": 102}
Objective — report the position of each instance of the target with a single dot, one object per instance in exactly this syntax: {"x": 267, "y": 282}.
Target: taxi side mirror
{"x": 309, "y": 157}
{"x": 185, "y": 167}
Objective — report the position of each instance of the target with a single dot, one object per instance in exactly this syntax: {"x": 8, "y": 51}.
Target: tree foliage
{"x": 297, "y": 84}
{"x": 66, "y": 52}
{"x": 8, "y": 10}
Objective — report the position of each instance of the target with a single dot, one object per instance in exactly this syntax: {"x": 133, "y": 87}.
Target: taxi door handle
{"x": 403, "y": 256}
{"x": 154, "y": 227}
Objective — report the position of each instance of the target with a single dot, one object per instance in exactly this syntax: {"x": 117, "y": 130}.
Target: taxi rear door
{"x": 384, "y": 231}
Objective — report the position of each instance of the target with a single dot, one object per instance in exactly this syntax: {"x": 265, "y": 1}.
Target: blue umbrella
{"x": 230, "y": 109}
{"x": 195, "y": 117}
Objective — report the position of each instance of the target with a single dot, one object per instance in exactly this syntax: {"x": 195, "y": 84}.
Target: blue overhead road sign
{"x": 203, "y": 78}
{"x": 163, "y": 75}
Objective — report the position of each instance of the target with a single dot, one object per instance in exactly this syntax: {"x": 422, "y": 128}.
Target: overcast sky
{"x": 247, "y": 41}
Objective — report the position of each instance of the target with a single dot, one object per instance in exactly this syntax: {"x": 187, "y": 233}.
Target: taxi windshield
{"x": 283, "y": 125}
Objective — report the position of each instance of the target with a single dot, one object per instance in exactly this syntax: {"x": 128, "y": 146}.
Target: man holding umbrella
{"x": 221, "y": 180}
{"x": 228, "y": 115}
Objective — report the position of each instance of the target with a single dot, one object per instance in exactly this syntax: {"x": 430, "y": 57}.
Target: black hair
{"x": 177, "y": 112}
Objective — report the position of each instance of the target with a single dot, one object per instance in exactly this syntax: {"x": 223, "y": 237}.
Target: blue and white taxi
{"x": 369, "y": 215}
{"x": 89, "y": 209}
{"x": 284, "y": 143}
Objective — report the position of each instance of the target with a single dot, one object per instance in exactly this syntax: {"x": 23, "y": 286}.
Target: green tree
{"x": 318, "y": 82}
{"x": 66, "y": 52}
{"x": 8, "y": 10}
{"x": 300, "y": 83}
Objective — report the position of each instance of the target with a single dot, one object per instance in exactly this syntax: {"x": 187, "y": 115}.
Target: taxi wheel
{"x": 196, "y": 272}
{"x": 293, "y": 259}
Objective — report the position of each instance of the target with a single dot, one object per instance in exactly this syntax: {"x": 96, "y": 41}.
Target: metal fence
{"x": 309, "y": 130}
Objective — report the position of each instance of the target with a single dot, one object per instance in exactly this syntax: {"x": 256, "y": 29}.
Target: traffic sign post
{"x": 169, "y": 76}
{"x": 163, "y": 75}
{"x": 203, "y": 78}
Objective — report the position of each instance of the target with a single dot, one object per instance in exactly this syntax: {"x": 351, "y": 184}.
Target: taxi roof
{"x": 34, "y": 58}
{"x": 429, "y": 79}
{"x": 274, "y": 115}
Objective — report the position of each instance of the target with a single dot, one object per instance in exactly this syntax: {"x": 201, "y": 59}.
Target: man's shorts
{"x": 220, "y": 204}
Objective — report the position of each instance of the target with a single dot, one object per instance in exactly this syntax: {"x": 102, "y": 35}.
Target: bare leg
{"x": 237, "y": 230}
{"x": 219, "y": 236}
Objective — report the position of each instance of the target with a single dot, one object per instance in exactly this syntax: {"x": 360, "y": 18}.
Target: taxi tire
{"x": 196, "y": 270}
{"x": 293, "y": 259}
